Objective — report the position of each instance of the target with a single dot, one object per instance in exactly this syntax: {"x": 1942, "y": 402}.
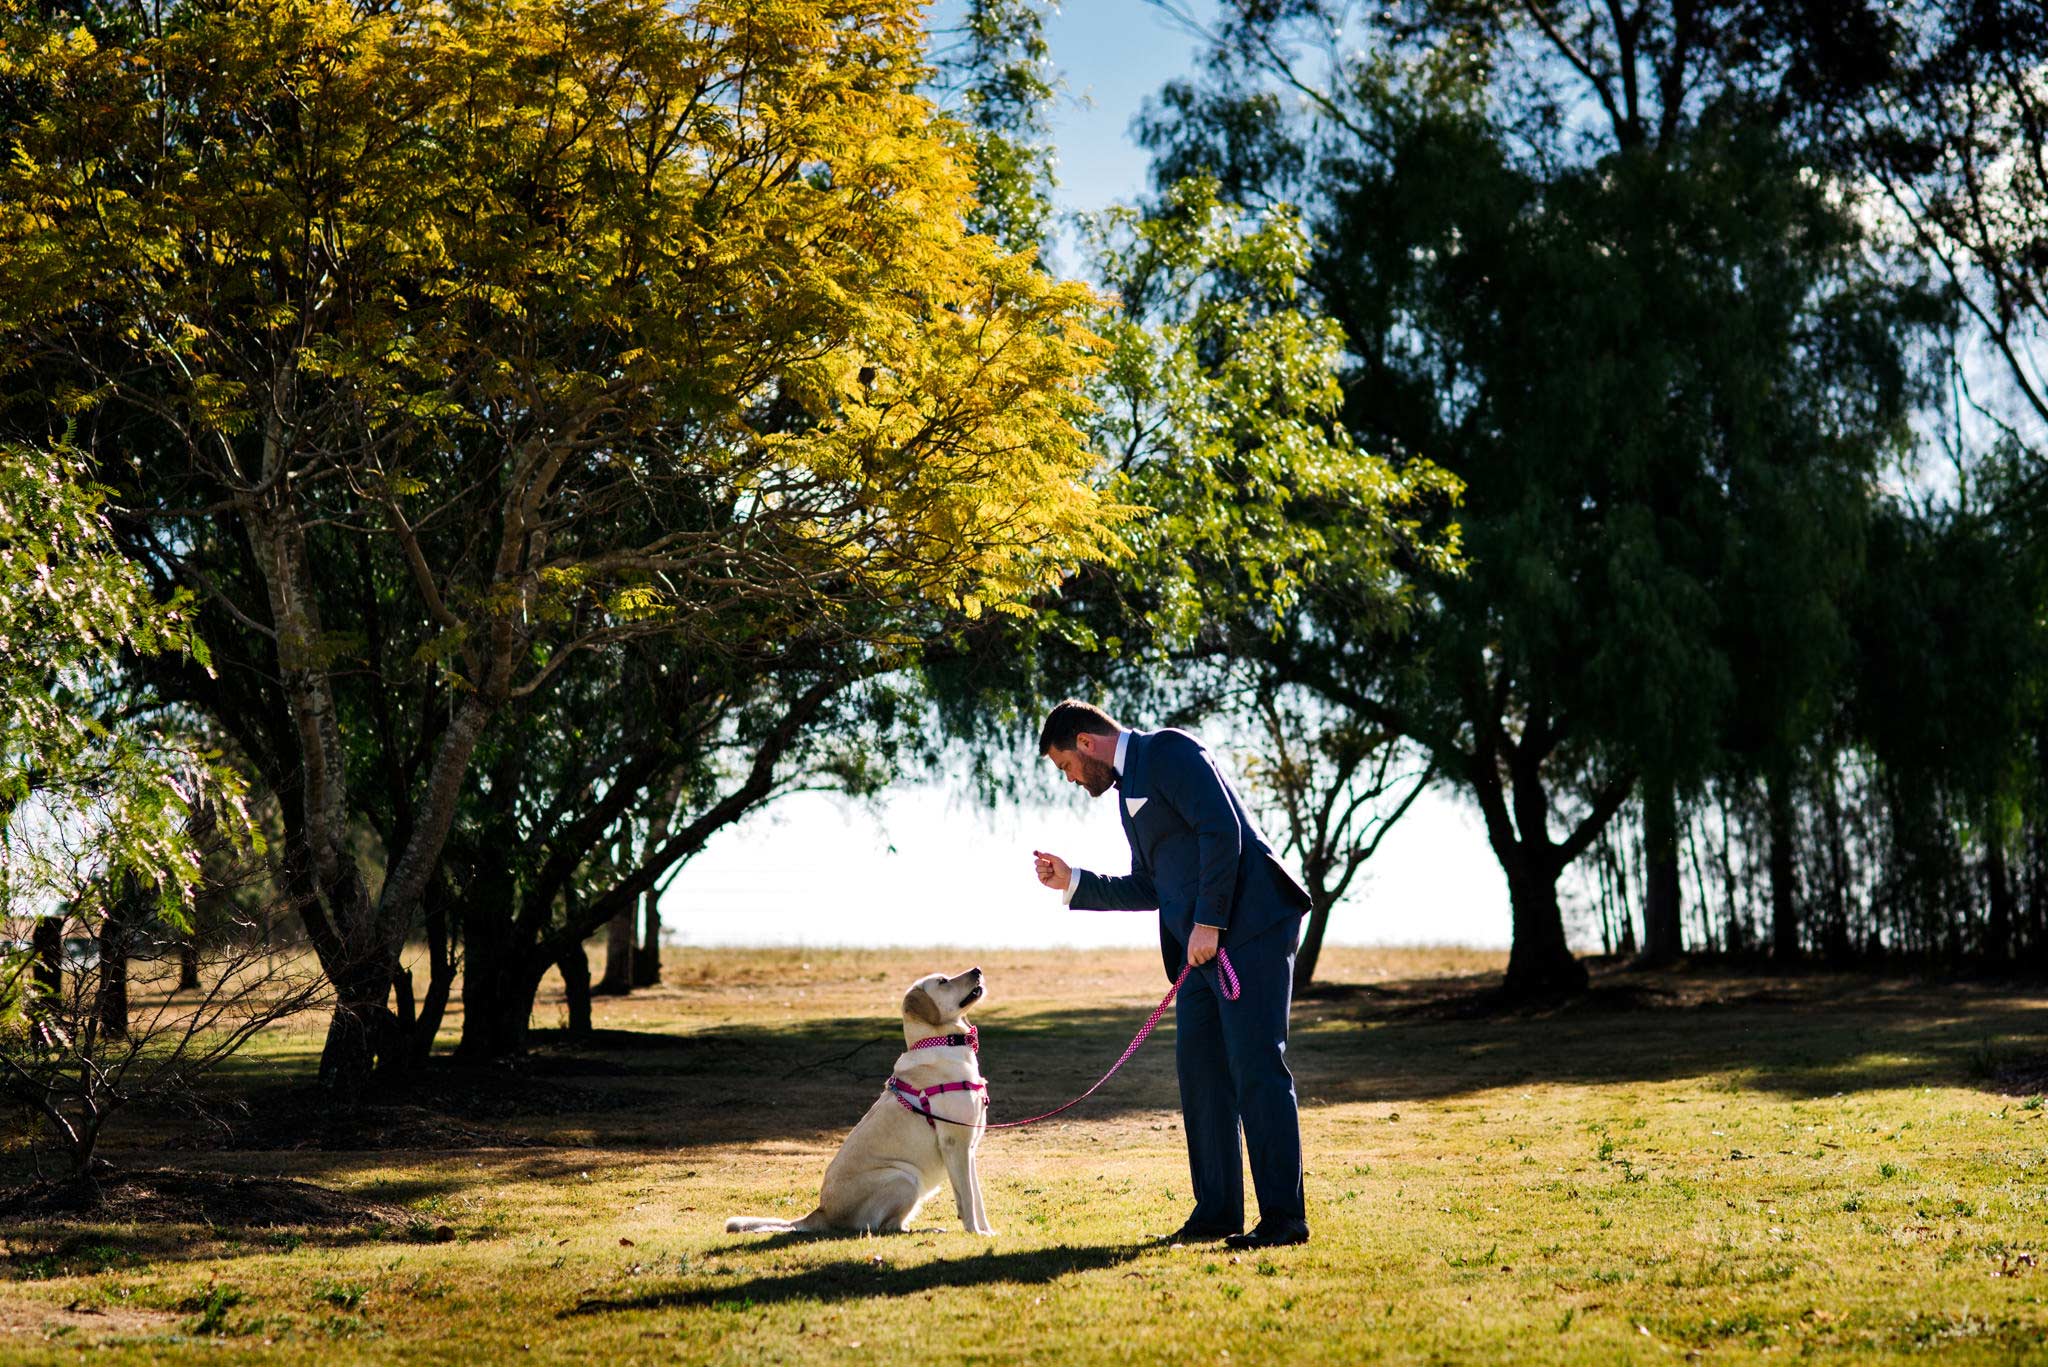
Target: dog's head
{"x": 936, "y": 1001}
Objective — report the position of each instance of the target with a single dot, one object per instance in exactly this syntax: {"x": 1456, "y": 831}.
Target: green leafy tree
{"x": 1216, "y": 413}
{"x": 993, "y": 69}
{"x": 442, "y": 352}
{"x": 1643, "y": 358}
{"x": 1946, "y": 696}
{"x": 108, "y": 815}
{"x": 91, "y": 797}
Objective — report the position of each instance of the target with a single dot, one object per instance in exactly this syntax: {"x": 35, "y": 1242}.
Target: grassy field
{"x": 1696, "y": 1166}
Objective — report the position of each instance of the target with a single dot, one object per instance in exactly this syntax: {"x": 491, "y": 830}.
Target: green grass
{"x": 1698, "y": 1168}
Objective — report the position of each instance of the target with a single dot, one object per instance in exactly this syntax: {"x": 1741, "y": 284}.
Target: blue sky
{"x": 1113, "y": 54}
{"x": 926, "y": 864}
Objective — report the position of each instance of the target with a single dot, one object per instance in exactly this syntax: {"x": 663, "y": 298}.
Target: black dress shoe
{"x": 1269, "y": 1236}
{"x": 1192, "y": 1233}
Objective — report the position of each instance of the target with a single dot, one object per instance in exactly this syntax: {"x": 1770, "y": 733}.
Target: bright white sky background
{"x": 928, "y": 865}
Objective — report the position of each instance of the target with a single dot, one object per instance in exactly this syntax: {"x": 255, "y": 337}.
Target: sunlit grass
{"x": 1694, "y": 1168}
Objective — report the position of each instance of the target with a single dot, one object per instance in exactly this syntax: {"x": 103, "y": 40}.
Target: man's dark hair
{"x": 1069, "y": 720}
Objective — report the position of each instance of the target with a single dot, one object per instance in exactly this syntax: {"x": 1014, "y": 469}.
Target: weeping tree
{"x": 1609, "y": 298}
{"x": 1945, "y": 699}
{"x": 1942, "y": 114}
{"x": 443, "y": 354}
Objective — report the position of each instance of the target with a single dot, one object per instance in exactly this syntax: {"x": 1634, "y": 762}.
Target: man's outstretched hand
{"x": 1202, "y": 945}
{"x": 1052, "y": 870}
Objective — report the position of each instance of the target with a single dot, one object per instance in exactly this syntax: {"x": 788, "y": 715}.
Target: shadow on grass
{"x": 865, "y": 1279}
{"x": 809, "y": 1081}
{"x": 1812, "y": 1034}
{"x": 1427, "y": 1040}
{"x": 38, "y": 1250}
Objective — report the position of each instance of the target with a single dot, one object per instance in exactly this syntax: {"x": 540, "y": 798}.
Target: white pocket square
{"x": 1132, "y": 804}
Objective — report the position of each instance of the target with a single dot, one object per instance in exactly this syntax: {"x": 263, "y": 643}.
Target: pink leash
{"x": 1231, "y": 992}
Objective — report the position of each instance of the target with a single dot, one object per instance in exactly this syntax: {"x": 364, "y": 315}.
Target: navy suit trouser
{"x": 1232, "y": 1061}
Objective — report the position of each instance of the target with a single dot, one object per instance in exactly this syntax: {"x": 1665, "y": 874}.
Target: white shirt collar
{"x": 1123, "y": 743}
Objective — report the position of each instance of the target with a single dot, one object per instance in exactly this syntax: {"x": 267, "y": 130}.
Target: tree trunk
{"x": 647, "y": 954}
{"x": 1626, "y": 944}
{"x": 1663, "y": 928}
{"x": 46, "y": 942}
{"x": 1312, "y": 939}
{"x": 1835, "y": 927}
{"x": 401, "y": 993}
{"x": 188, "y": 965}
{"x": 440, "y": 978}
{"x": 618, "y": 955}
{"x": 115, "y": 933}
{"x": 498, "y": 987}
{"x": 1784, "y": 900}
{"x": 2036, "y": 846}
{"x": 362, "y": 1031}
{"x": 1540, "y": 964}
{"x": 575, "y": 969}
{"x": 1998, "y": 925}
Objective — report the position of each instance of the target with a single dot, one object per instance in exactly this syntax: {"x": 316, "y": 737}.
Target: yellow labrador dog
{"x": 891, "y": 1164}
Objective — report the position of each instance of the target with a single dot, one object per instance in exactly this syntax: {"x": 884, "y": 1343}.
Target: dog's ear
{"x": 918, "y": 1003}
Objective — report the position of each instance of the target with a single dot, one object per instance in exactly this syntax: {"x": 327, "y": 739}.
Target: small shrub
{"x": 210, "y": 1309}
{"x": 341, "y": 1296}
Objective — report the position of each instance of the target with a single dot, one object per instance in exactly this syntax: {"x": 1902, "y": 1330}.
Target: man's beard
{"x": 1096, "y": 776}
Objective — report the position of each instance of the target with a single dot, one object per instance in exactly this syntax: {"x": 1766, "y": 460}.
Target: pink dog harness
{"x": 924, "y": 1095}
{"x": 1232, "y": 990}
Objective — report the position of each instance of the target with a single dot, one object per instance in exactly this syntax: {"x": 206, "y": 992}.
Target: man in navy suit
{"x": 1199, "y": 859}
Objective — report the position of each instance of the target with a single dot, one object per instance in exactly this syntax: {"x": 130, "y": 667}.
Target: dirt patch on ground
{"x": 175, "y": 1196}
{"x": 79, "y": 1326}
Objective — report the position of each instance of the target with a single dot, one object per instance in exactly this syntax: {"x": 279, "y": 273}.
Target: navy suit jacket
{"x": 1195, "y": 853}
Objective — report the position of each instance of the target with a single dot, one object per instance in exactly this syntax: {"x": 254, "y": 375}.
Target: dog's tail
{"x": 761, "y": 1224}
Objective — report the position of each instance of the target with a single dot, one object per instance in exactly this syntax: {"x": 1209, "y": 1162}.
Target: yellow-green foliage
{"x": 1740, "y": 1170}
{"x": 616, "y": 242}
